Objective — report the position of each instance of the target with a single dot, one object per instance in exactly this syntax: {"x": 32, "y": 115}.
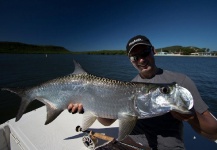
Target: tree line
{"x": 103, "y": 52}
{"x": 21, "y": 48}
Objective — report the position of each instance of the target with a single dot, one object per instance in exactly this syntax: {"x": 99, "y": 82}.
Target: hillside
{"x": 21, "y": 48}
{"x": 182, "y": 50}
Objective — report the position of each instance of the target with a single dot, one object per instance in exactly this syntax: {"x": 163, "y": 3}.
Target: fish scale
{"x": 106, "y": 98}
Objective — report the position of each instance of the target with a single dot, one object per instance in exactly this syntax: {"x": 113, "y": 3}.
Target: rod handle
{"x": 102, "y": 136}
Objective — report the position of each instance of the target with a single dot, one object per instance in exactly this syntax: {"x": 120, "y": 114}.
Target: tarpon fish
{"x": 106, "y": 98}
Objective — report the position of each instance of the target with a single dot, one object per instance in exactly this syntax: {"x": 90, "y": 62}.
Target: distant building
{"x": 203, "y": 54}
{"x": 162, "y": 53}
{"x": 195, "y": 54}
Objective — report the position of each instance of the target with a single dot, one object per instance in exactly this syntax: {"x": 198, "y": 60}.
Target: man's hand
{"x": 74, "y": 108}
{"x": 78, "y": 108}
{"x": 182, "y": 117}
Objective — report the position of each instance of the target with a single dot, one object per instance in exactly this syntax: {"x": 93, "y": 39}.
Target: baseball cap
{"x": 137, "y": 40}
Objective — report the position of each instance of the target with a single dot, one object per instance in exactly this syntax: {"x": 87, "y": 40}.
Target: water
{"x": 28, "y": 70}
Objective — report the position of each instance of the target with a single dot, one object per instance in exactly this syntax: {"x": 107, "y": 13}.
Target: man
{"x": 166, "y": 131}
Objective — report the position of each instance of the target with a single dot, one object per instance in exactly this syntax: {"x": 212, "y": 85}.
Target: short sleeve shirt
{"x": 166, "y": 132}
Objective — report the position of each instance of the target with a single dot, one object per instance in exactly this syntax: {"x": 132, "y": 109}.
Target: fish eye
{"x": 165, "y": 90}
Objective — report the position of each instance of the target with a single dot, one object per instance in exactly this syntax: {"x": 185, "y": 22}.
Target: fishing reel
{"x": 89, "y": 141}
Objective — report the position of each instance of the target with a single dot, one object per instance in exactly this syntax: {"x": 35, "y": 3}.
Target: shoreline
{"x": 158, "y": 55}
{"x": 185, "y": 55}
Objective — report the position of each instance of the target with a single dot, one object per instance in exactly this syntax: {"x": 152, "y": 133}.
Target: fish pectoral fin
{"x": 52, "y": 114}
{"x": 126, "y": 125}
{"x": 52, "y": 110}
{"x": 88, "y": 119}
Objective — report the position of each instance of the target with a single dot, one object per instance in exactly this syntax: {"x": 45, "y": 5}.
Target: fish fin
{"x": 52, "y": 110}
{"x": 78, "y": 69}
{"x": 126, "y": 125}
{"x": 88, "y": 119}
{"x": 24, "y": 104}
{"x": 52, "y": 114}
{"x": 24, "y": 100}
{"x": 17, "y": 91}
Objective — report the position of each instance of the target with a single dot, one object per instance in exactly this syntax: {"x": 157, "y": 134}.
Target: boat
{"x": 30, "y": 133}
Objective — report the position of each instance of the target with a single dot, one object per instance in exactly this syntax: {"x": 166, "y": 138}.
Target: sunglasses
{"x": 136, "y": 57}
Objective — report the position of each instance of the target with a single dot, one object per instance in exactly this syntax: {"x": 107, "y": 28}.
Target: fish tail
{"x": 24, "y": 100}
{"x": 14, "y": 90}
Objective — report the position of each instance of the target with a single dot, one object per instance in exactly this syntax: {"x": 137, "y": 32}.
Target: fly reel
{"x": 89, "y": 141}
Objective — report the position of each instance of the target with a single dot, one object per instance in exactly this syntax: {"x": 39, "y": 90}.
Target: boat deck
{"x": 31, "y": 133}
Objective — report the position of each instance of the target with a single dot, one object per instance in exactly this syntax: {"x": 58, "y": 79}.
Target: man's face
{"x": 142, "y": 60}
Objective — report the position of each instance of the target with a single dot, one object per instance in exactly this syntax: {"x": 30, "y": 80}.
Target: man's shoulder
{"x": 164, "y": 76}
{"x": 173, "y": 76}
{"x": 173, "y": 73}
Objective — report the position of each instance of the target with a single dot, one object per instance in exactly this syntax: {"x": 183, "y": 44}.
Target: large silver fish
{"x": 106, "y": 98}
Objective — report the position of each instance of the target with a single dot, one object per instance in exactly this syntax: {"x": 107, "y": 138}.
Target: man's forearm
{"x": 205, "y": 124}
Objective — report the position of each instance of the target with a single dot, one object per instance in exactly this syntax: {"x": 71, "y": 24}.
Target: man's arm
{"x": 205, "y": 123}
{"x": 202, "y": 121}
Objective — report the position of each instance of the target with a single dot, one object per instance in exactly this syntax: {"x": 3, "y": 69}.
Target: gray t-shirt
{"x": 166, "y": 132}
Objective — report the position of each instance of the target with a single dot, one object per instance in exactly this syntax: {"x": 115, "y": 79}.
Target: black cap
{"x": 137, "y": 40}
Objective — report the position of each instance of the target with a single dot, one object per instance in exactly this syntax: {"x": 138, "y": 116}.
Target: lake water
{"x": 28, "y": 70}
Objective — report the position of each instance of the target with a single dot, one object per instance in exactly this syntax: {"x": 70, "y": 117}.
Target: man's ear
{"x": 154, "y": 51}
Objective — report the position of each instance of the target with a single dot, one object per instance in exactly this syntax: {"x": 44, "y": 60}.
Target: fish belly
{"x": 103, "y": 101}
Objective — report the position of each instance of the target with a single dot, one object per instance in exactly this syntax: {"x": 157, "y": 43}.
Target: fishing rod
{"x": 90, "y": 139}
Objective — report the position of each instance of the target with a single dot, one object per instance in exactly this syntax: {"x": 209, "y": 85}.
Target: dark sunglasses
{"x": 136, "y": 57}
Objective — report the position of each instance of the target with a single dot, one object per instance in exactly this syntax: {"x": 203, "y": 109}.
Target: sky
{"x": 86, "y": 25}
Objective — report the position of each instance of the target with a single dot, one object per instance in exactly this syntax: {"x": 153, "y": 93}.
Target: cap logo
{"x": 134, "y": 41}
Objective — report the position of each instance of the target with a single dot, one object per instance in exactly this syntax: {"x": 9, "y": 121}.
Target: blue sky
{"x": 85, "y": 25}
